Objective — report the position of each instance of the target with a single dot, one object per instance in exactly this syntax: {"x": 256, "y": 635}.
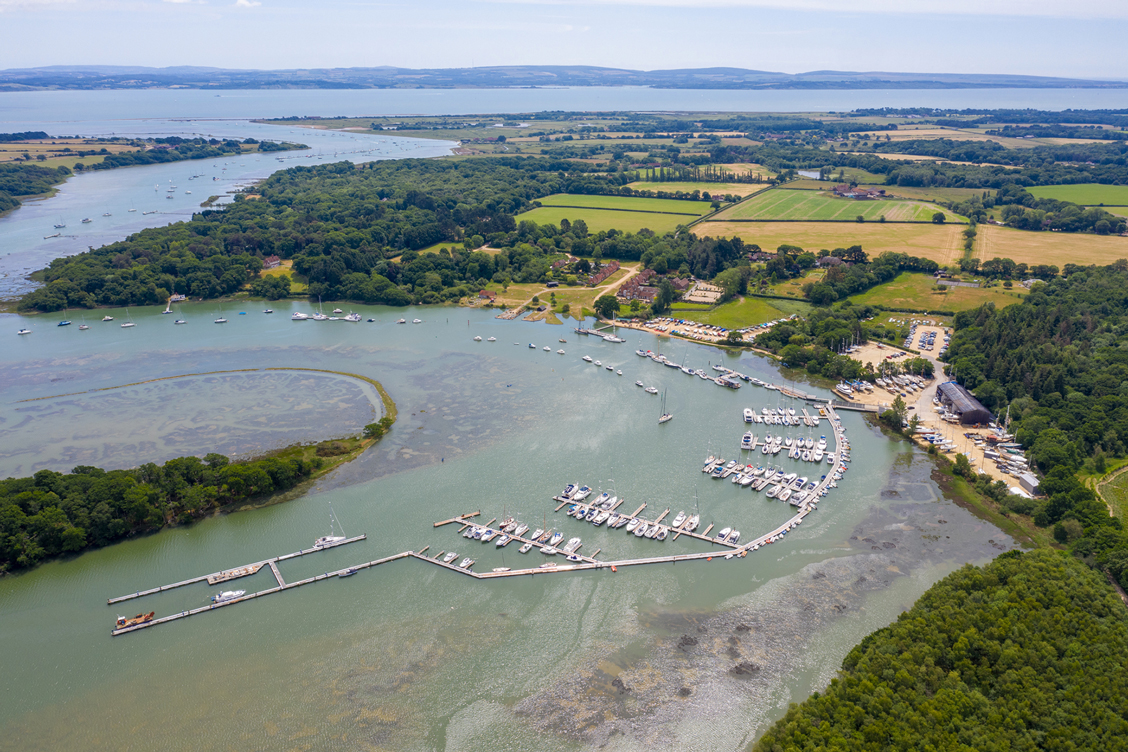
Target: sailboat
{"x": 131, "y": 207}
{"x": 665, "y": 417}
{"x": 128, "y": 320}
{"x": 320, "y": 315}
{"x": 178, "y": 319}
{"x": 221, "y": 319}
{"x": 65, "y": 321}
{"x": 331, "y": 540}
{"x": 83, "y": 326}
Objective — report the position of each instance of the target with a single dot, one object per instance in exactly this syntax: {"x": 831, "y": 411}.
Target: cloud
{"x": 1044, "y": 8}
{"x": 247, "y": 3}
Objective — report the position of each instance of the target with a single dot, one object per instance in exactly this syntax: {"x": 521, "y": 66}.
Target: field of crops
{"x": 626, "y": 203}
{"x": 1086, "y": 194}
{"x": 941, "y": 243}
{"x": 816, "y": 205}
{"x": 1058, "y": 248}
{"x": 600, "y": 219}
{"x": 918, "y": 291}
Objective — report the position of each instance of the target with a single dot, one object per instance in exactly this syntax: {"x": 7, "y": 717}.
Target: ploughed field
{"x": 783, "y": 204}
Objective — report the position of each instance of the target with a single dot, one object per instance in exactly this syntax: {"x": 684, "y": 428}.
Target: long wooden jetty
{"x": 261, "y": 593}
{"x": 231, "y": 574}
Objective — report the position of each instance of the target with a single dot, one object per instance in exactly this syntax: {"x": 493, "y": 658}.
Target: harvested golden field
{"x": 1058, "y": 248}
{"x": 941, "y": 243}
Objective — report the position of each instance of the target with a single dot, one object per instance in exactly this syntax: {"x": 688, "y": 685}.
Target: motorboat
{"x": 651, "y": 532}
{"x": 522, "y": 528}
{"x": 723, "y": 535}
{"x": 555, "y": 539}
{"x": 633, "y": 525}
{"x": 601, "y": 518}
{"x": 574, "y": 557}
{"x": 178, "y": 321}
{"x": 526, "y": 548}
{"x": 402, "y": 321}
{"x": 228, "y": 595}
{"x": 477, "y": 339}
{"x": 466, "y": 563}
{"x": 582, "y": 493}
{"x": 549, "y": 551}
{"x": 271, "y": 310}
{"x": 492, "y": 339}
{"x": 748, "y": 416}
{"x": 353, "y": 317}
{"x": 337, "y": 310}
{"x": 571, "y": 545}
{"x": 537, "y": 534}
{"x": 546, "y": 348}
{"x": 651, "y": 390}
{"x": 661, "y": 534}
{"x": 328, "y": 540}
{"x": 639, "y": 383}
{"x": 640, "y": 531}
{"x": 221, "y": 320}
{"x": 692, "y": 523}
{"x": 348, "y": 572}
{"x": 23, "y": 331}
{"x": 560, "y": 352}
{"x": 503, "y": 541}
{"x": 734, "y": 536}
{"x": 678, "y": 520}
{"x": 597, "y": 363}
{"x": 586, "y": 358}
{"x": 569, "y": 489}
{"x": 610, "y": 368}
{"x": 298, "y": 316}
{"x": 417, "y": 321}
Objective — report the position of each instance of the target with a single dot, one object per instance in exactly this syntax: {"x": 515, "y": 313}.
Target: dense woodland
{"x": 54, "y": 513}
{"x": 354, "y": 231}
{"x": 1026, "y": 654}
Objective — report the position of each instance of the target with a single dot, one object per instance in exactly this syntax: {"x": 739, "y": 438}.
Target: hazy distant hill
{"x": 131, "y": 77}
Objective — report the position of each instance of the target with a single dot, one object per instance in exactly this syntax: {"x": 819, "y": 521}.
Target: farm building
{"x": 271, "y": 262}
{"x": 961, "y": 402}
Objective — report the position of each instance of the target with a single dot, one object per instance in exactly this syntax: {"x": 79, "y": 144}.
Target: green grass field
{"x": 1086, "y": 194}
{"x": 626, "y": 203}
{"x": 917, "y": 291}
{"x": 736, "y": 189}
{"x": 1115, "y": 493}
{"x": 814, "y": 205}
{"x": 742, "y": 312}
{"x": 598, "y": 220}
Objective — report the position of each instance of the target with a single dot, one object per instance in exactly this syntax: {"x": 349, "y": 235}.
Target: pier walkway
{"x": 232, "y": 574}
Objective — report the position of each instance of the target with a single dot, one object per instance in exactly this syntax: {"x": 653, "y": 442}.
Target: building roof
{"x": 963, "y": 402}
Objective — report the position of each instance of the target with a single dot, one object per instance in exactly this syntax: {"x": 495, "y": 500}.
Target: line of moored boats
{"x": 780, "y": 416}
{"x": 601, "y": 510}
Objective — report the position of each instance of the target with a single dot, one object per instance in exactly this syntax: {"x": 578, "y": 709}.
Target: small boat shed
{"x": 961, "y": 402}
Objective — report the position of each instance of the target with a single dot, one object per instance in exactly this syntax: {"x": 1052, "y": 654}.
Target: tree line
{"x": 51, "y": 513}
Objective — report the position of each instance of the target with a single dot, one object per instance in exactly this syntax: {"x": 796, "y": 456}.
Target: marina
{"x": 576, "y": 562}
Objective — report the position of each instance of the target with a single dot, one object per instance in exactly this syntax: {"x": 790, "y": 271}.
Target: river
{"x": 408, "y": 656}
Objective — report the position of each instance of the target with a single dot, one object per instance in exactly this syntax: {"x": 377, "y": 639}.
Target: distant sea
{"x": 77, "y": 106}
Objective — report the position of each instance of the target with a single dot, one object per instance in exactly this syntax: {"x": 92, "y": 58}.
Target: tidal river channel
{"x": 408, "y": 656}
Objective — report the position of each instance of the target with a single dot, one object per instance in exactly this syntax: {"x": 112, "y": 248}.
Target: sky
{"x": 1080, "y": 38}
